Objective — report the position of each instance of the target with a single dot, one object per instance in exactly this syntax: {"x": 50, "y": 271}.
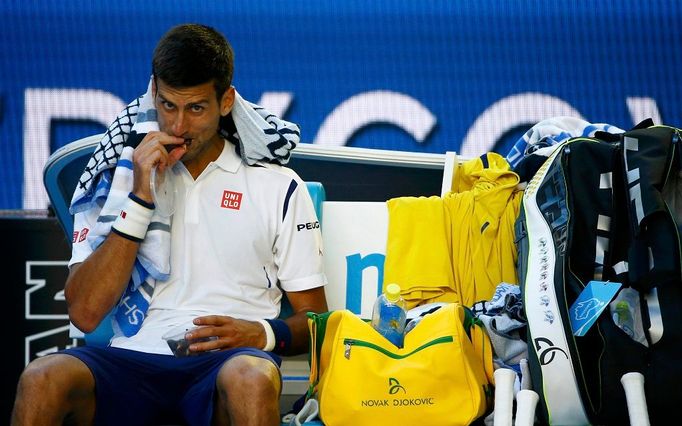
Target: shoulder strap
{"x": 650, "y": 156}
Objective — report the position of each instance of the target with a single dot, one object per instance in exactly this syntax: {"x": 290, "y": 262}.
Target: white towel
{"x": 308, "y": 414}
{"x": 260, "y": 136}
{"x": 551, "y": 132}
{"x": 108, "y": 179}
{"x": 153, "y": 257}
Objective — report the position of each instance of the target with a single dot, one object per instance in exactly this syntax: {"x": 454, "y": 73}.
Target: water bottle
{"x": 388, "y": 315}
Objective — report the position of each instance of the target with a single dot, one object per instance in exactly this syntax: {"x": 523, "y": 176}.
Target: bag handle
{"x": 317, "y": 325}
{"x": 474, "y": 329}
{"x": 483, "y": 347}
{"x": 313, "y": 356}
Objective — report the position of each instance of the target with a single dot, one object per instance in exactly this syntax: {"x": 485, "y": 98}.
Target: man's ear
{"x": 153, "y": 87}
{"x": 227, "y": 101}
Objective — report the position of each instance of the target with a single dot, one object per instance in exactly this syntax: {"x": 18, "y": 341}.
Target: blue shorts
{"x": 137, "y": 388}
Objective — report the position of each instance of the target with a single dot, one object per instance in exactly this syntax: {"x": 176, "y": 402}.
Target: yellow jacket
{"x": 461, "y": 246}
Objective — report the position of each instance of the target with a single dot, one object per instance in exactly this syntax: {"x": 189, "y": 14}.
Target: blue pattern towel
{"x": 551, "y": 132}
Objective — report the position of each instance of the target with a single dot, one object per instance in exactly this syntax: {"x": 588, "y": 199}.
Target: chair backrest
{"x": 60, "y": 177}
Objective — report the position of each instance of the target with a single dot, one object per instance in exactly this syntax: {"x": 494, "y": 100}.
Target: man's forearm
{"x": 96, "y": 284}
{"x": 312, "y": 300}
{"x": 298, "y": 324}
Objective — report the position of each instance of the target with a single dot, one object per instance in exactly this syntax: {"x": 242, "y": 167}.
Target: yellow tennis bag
{"x": 442, "y": 375}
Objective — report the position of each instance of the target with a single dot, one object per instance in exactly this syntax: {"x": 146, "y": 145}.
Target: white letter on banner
{"x": 508, "y": 113}
{"x": 642, "y": 108}
{"x": 379, "y": 106}
{"x": 41, "y": 106}
{"x": 276, "y": 102}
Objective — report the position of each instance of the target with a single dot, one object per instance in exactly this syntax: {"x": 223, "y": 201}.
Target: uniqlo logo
{"x": 231, "y": 200}
{"x": 80, "y": 236}
{"x": 123, "y": 214}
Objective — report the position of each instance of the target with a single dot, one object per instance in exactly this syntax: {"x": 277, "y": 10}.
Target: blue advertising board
{"x": 423, "y": 76}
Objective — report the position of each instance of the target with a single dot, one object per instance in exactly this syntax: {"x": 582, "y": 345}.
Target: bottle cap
{"x": 393, "y": 292}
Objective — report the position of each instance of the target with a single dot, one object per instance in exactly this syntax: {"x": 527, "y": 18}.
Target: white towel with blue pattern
{"x": 152, "y": 263}
{"x": 551, "y": 132}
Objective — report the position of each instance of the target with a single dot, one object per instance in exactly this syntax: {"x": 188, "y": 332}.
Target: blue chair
{"x": 60, "y": 177}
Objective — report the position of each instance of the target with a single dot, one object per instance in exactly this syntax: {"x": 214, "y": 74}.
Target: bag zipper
{"x": 348, "y": 343}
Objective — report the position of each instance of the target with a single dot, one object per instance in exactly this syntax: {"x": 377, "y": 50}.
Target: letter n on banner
{"x": 355, "y": 264}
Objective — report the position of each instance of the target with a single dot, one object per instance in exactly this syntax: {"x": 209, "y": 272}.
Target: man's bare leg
{"x": 54, "y": 390}
{"x": 248, "y": 392}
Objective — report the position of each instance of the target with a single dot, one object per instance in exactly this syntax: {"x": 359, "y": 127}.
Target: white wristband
{"x": 269, "y": 336}
{"x": 133, "y": 220}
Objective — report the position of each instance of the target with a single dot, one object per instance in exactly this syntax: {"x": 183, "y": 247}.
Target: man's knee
{"x": 248, "y": 374}
{"x": 55, "y": 389}
{"x": 248, "y": 389}
{"x": 37, "y": 373}
{"x": 54, "y": 373}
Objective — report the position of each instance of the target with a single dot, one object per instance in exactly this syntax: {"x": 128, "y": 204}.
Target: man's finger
{"x": 212, "y": 320}
{"x": 172, "y": 142}
{"x": 209, "y": 345}
{"x": 175, "y": 154}
{"x": 201, "y": 332}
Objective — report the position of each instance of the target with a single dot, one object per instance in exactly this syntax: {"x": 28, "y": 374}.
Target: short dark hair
{"x": 192, "y": 54}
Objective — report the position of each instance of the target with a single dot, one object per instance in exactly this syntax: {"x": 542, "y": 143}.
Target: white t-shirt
{"x": 238, "y": 234}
